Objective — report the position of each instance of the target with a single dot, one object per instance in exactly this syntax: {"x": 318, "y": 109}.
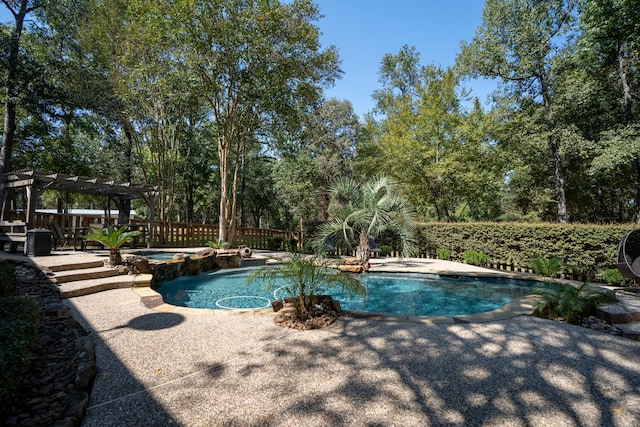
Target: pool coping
{"x": 517, "y": 307}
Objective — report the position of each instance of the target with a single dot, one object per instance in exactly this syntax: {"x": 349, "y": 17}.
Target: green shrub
{"x": 475, "y": 258}
{"x": 611, "y": 276}
{"x": 274, "y": 243}
{"x": 385, "y": 250}
{"x": 546, "y": 267}
{"x": 307, "y": 247}
{"x": 291, "y": 245}
{"x": 444, "y": 254}
{"x": 572, "y": 303}
{"x": 218, "y": 244}
{"x": 18, "y": 333}
{"x": 6, "y": 279}
{"x": 595, "y": 247}
{"x": 579, "y": 272}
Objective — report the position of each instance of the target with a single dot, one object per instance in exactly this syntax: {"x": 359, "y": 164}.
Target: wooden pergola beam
{"x": 35, "y": 182}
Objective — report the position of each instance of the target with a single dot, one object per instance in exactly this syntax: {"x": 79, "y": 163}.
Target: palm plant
{"x": 113, "y": 238}
{"x": 546, "y": 267}
{"x": 368, "y": 209}
{"x": 570, "y": 302}
{"x": 302, "y": 277}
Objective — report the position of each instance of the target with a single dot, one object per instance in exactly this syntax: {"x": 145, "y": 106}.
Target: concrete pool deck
{"x": 169, "y": 368}
{"x": 159, "y": 368}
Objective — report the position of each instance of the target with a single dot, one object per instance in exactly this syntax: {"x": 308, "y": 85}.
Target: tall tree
{"x": 297, "y": 180}
{"x": 260, "y": 64}
{"x": 19, "y": 9}
{"x": 611, "y": 39}
{"x": 331, "y": 135}
{"x": 517, "y": 42}
{"x": 424, "y": 139}
{"x": 153, "y": 93}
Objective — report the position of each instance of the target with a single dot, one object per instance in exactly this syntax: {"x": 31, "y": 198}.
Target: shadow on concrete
{"x": 113, "y": 404}
{"x": 528, "y": 372}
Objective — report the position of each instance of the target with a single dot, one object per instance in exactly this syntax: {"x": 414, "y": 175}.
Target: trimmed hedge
{"x": 18, "y": 333}
{"x": 588, "y": 247}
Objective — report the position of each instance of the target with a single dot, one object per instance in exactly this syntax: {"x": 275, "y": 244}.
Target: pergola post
{"x": 30, "y": 211}
{"x": 150, "y": 204}
{"x": 35, "y": 182}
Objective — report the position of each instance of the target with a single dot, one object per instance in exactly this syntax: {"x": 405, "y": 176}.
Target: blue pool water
{"x": 158, "y": 255}
{"x": 390, "y": 293}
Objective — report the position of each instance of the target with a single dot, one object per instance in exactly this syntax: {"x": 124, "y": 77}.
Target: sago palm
{"x": 302, "y": 277}
{"x": 570, "y": 302}
{"x": 367, "y": 209}
{"x": 113, "y": 238}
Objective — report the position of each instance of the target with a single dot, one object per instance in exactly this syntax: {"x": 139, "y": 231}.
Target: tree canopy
{"x": 220, "y": 103}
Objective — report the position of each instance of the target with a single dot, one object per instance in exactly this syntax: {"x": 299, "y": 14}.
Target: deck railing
{"x": 165, "y": 234}
{"x": 177, "y": 234}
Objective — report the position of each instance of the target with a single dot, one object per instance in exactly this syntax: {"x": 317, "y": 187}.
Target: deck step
{"x": 629, "y": 330}
{"x": 626, "y": 310}
{"x": 86, "y": 287}
{"x": 84, "y": 274}
{"x": 76, "y": 266}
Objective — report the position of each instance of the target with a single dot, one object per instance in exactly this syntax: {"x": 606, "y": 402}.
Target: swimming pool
{"x": 159, "y": 255}
{"x": 412, "y": 294}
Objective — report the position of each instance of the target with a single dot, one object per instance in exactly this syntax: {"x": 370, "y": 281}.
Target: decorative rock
{"x": 139, "y": 263}
{"x": 207, "y": 252}
{"x": 85, "y": 345}
{"x": 277, "y": 305}
{"x": 179, "y": 257}
{"x": 66, "y": 422}
{"x": 322, "y": 314}
{"x": 63, "y": 351}
{"x": 76, "y": 405}
{"x": 85, "y": 374}
{"x": 351, "y": 268}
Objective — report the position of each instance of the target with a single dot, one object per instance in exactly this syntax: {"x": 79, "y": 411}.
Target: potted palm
{"x": 113, "y": 238}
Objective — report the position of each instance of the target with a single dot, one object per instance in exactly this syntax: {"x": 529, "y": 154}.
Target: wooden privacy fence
{"x": 165, "y": 234}
{"x": 175, "y": 234}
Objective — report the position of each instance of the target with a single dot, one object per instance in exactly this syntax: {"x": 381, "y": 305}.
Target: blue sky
{"x": 365, "y": 30}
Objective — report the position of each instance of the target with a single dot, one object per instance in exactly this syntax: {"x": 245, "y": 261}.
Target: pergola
{"x": 34, "y": 183}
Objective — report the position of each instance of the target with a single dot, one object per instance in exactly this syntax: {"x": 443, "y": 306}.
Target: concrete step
{"x": 76, "y": 266}
{"x": 86, "y": 287}
{"x": 626, "y": 310}
{"x": 84, "y": 274}
{"x": 629, "y": 330}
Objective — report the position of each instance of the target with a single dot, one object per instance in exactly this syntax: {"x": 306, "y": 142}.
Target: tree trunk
{"x": 223, "y": 155}
{"x": 190, "y": 208}
{"x": 115, "y": 258}
{"x": 363, "y": 249}
{"x": 554, "y": 147}
{"x": 623, "y": 69}
{"x": 11, "y": 90}
{"x": 563, "y": 214}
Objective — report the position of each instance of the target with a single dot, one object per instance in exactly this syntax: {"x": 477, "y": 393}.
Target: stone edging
{"x": 61, "y": 394}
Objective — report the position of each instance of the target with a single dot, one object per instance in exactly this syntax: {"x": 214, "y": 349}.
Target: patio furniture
{"x": 60, "y": 239}
{"x": 373, "y": 249}
{"x": 93, "y": 229}
{"x": 629, "y": 255}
